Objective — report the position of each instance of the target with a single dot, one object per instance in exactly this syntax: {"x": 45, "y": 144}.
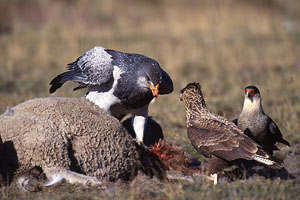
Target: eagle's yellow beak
{"x": 154, "y": 90}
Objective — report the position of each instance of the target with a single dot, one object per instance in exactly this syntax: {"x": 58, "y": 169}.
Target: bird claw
{"x": 141, "y": 143}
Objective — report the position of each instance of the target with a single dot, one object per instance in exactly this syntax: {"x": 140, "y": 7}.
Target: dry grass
{"x": 224, "y": 45}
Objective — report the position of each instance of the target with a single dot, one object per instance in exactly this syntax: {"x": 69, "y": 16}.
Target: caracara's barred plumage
{"x": 217, "y": 138}
{"x": 258, "y": 125}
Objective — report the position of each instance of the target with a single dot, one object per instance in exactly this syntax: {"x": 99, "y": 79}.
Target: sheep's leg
{"x": 57, "y": 175}
{"x": 56, "y": 178}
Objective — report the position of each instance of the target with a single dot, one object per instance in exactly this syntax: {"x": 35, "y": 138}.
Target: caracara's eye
{"x": 252, "y": 92}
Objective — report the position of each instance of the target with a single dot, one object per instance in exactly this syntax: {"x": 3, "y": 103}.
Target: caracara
{"x": 220, "y": 140}
{"x": 256, "y": 124}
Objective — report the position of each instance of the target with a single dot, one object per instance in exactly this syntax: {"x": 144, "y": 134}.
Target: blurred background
{"x": 223, "y": 44}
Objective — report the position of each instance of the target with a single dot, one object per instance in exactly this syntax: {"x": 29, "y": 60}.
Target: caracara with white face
{"x": 256, "y": 124}
{"x": 119, "y": 83}
{"x": 220, "y": 140}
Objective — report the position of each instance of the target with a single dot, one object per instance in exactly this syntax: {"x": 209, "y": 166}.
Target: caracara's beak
{"x": 154, "y": 90}
{"x": 247, "y": 95}
{"x": 180, "y": 97}
{"x": 250, "y": 94}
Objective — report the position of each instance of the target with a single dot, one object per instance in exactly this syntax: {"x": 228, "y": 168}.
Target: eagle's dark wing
{"x": 226, "y": 141}
{"x": 275, "y": 132}
{"x": 92, "y": 68}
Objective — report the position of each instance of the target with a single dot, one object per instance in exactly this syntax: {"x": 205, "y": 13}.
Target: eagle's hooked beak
{"x": 154, "y": 89}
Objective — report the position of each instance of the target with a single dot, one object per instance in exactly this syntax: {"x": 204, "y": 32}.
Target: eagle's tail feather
{"x": 59, "y": 80}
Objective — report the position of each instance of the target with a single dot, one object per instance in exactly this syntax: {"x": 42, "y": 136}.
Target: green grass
{"x": 224, "y": 45}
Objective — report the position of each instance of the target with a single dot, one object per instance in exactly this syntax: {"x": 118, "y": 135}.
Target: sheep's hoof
{"x": 27, "y": 184}
{"x": 94, "y": 182}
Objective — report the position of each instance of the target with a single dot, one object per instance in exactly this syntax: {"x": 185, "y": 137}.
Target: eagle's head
{"x": 155, "y": 78}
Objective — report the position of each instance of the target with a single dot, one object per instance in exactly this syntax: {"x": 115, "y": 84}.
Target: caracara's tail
{"x": 269, "y": 160}
{"x": 283, "y": 141}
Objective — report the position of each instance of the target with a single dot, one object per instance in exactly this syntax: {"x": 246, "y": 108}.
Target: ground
{"x": 224, "y": 45}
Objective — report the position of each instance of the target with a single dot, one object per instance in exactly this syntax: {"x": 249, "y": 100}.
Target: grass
{"x": 263, "y": 189}
{"x": 224, "y": 45}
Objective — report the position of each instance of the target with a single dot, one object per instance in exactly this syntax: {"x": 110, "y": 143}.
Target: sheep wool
{"x": 68, "y": 138}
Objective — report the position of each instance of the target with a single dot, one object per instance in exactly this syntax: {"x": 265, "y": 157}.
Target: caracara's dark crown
{"x": 252, "y": 87}
{"x": 192, "y": 95}
{"x": 195, "y": 86}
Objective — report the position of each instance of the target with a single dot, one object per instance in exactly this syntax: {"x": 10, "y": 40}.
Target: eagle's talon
{"x": 141, "y": 143}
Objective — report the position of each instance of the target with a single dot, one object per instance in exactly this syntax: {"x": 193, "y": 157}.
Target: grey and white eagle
{"x": 119, "y": 83}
